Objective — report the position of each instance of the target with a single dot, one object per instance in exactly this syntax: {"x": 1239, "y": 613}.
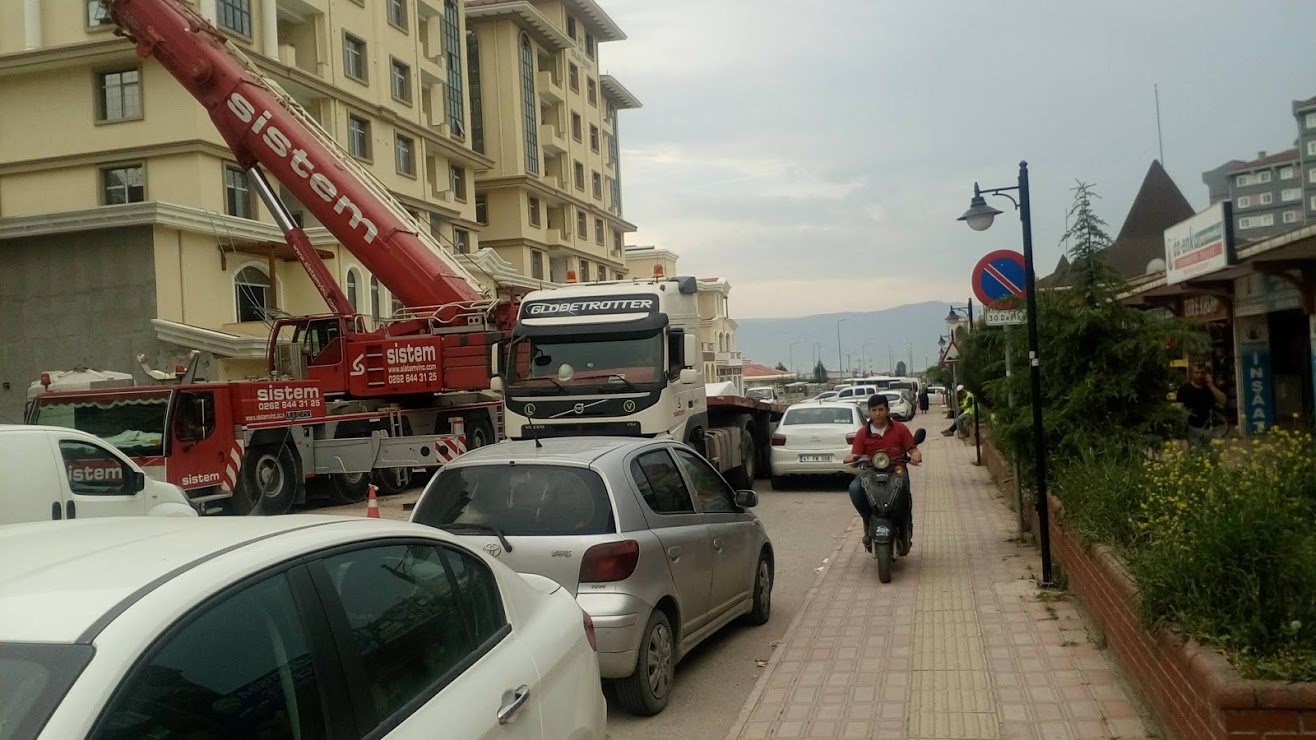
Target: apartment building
{"x": 717, "y": 332}
{"x": 1273, "y": 193}
{"x": 125, "y": 223}
{"x": 550, "y": 205}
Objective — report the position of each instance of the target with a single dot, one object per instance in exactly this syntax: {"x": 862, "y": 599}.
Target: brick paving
{"x": 960, "y": 644}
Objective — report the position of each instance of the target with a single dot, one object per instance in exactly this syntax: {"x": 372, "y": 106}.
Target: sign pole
{"x": 1014, "y": 463}
{"x": 977, "y": 437}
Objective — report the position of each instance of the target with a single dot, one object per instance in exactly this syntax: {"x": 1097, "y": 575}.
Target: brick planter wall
{"x": 1192, "y": 691}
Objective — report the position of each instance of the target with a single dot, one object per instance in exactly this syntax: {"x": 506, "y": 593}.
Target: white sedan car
{"x": 813, "y": 438}
{"x": 902, "y": 409}
{"x": 290, "y": 627}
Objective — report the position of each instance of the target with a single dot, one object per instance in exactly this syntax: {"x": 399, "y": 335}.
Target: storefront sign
{"x": 1258, "y": 387}
{"x": 1258, "y": 294}
{"x": 1200, "y": 245}
{"x": 1204, "y": 308}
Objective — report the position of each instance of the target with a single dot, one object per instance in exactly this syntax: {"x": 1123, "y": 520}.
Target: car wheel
{"x": 763, "y": 577}
{"x": 646, "y": 691}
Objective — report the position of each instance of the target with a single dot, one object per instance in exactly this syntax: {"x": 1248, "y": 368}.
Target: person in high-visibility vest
{"x": 965, "y": 418}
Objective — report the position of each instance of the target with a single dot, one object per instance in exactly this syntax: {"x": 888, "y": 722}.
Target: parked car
{"x": 901, "y": 402}
{"x": 292, "y": 626}
{"x": 855, "y": 392}
{"x": 58, "y": 473}
{"x": 825, "y": 396}
{"x": 814, "y": 437}
{"x": 655, "y": 545}
{"x": 763, "y": 394}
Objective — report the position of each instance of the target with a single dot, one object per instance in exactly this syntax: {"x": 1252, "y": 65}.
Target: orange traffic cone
{"x": 372, "y": 504}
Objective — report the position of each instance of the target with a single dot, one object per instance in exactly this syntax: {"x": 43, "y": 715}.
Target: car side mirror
{"x": 136, "y": 482}
{"x": 747, "y": 499}
{"x": 689, "y": 376}
{"x": 919, "y": 436}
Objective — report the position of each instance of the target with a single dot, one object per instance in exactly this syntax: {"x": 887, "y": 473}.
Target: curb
{"x": 775, "y": 658}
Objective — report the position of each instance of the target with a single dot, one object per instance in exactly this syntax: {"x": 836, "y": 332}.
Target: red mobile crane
{"x": 340, "y": 401}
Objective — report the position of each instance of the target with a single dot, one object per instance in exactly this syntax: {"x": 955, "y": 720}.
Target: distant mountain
{"x": 886, "y": 332}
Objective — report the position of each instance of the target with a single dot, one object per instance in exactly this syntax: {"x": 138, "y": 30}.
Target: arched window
{"x": 529, "y": 106}
{"x": 252, "y": 288}
{"x": 374, "y": 297}
{"x": 352, "y": 282}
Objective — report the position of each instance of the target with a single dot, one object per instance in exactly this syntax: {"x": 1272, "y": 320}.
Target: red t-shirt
{"x": 895, "y": 442}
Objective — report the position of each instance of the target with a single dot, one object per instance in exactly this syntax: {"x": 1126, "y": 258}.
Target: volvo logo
{"x": 529, "y": 409}
{"x": 493, "y": 549}
{"x": 629, "y": 406}
{"x": 579, "y": 408}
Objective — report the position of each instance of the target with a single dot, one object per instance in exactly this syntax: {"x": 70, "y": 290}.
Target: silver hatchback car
{"x": 657, "y": 548}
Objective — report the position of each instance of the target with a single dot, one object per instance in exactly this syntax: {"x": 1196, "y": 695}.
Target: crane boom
{"x": 264, "y": 125}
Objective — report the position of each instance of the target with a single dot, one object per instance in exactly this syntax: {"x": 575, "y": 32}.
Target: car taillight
{"x": 778, "y": 440}
{"x": 613, "y": 561}
{"x": 589, "y": 632}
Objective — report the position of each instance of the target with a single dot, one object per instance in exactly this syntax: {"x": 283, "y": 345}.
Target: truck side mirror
{"x": 496, "y": 384}
{"x": 690, "y": 352}
{"x": 689, "y": 376}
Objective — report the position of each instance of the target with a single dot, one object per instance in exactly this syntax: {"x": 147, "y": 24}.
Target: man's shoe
{"x": 902, "y": 547}
{"x": 868, "y": 543}
{"x": 947, "y": 432}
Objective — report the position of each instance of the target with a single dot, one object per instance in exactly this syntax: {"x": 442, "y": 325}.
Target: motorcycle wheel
{"x": 883, "y": 553}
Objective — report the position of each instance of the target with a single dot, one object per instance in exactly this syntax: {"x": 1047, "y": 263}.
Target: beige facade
{"x": 549, "y": 122}
{"x": 642, "y": 261}
{"x": 717, "y": 333}
{"x": 96, "y": 138}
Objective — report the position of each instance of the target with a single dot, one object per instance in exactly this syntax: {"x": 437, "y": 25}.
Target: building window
{"x": 237, "y": 194}
{"x": 536, "y": 264}
{"x": 598, "y": 185}
{"x": 458, "y": 176}
{"x": 612, "y": 149}
{"x": 121, "y": 185}
{"x": 598, "y": 237}
{"x": 358, "y": 136}
{"x": 453, "y": 51}
{"x": 1290, "y": 217}
{"x": 97, "y": 15}
{"x": 571, "y": 27}
{"x": 1311, "y": 120}
{"x": 374, "y": 298}
{"x": 591, "y": 91}
{"x": 1267, "y": 198}
{"x": 589, "y": 45}
{"x": 616, "y": 196}
{"x": 529, "y": 107}
{"x": 582, "y": 225}
{"x": 477, "y": 100}
{"x": 235, "y": 15}
{"x": 603, "y": 274}
{"x": 482, "y": 209}
{"x": 397, "y": 13}
{"x": 353, "y": 281}
{"x": 1245, "y": 201}
{"x": 1242, "y": 181}
{"x": 252, "y": 290}
{"x": 594, "y": 138}
{"x": 1286, "y": 172}
{"x": 580, "y": 176}
{"x": 611, "y": 112}
{"x": 1311, "y": 174}
{"x": 1311, "y": 148}
{"x": 461, "y": 241}
{"x": 573, "y": 76}
{"x": 1262, "y": 177}
{"x": 405, "y": 150}
{"x": 400, "y": 78}
{"x": 1256, "y": 222}
{"x": 120, "y": 95}
{"x": 1289, "y": 195}
{"x": 584, "y": 271}
{"x": 354, "y": 57}
{"x": 575, "y": 126}
{"x": 616, "y": 240}
{"x": 1313, "y": 202}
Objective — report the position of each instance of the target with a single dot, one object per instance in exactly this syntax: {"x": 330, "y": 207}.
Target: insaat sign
{"x": 601, "y": 306}
{"x": 1200, "y": 245}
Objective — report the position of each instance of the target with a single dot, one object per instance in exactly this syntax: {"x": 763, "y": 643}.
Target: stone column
{"x": 32, "y": 24}
{"x": 270, "y": 27}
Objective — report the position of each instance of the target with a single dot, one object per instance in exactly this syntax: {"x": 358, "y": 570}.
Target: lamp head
{"x": 979, "y": 217}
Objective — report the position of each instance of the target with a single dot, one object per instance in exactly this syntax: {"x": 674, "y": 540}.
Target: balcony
{"x": 550, "y": 86}
{"x": 552, "y": 139}
{"x": 298, "y": 36}
{"x": 554, "y": 236}
{"x": 432, "y": 104}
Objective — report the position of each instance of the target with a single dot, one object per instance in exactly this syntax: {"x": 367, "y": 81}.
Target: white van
{"x": 56, "y": 473}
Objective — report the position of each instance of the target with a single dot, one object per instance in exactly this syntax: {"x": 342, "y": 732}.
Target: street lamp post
{"x": 979, "y": 217}
{"x": 792, "y": 355}
{"x": 838, "y": 339}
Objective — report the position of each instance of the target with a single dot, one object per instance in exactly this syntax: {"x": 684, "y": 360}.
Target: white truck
{"x": 624, "y": 359}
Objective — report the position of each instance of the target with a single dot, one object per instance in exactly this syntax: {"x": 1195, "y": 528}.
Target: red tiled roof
{"x": 754, "y": 370}
{"x": 1288, "y": 155}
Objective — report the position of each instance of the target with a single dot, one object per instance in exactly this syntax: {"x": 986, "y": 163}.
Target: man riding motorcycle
{"x": 883, "y": 434}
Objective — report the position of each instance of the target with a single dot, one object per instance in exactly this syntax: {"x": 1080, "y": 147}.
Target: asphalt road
{"x": 713, "y": 682}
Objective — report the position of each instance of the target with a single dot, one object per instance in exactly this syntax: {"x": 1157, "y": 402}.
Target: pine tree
{"x": 820, "y": 373}
{"x": 901, "y": 369}
{"x": 1090, "y": 275}
{"x": 782, "y": 367}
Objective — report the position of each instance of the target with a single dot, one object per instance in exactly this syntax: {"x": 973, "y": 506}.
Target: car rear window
{"x": 823, "y": 415}
{"x": 33, "y": 680}
{"x": 524, "y": 500}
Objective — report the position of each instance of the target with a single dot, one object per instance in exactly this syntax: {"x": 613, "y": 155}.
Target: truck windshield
{"x": 136, "y": 424}
{"x": 589, "y": 360}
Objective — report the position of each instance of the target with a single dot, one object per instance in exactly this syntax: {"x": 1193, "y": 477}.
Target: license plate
{"x": 815, "y": 458}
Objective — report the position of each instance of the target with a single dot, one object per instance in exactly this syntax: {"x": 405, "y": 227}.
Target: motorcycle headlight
{"x": 881, "y": 460}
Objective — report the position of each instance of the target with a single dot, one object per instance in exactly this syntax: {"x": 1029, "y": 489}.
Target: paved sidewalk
{"x": 958, "y": 645}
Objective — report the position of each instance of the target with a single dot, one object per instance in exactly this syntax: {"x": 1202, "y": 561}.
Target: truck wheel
{"x": 479, "y": 432}
{"x": 267, "y": 483}
{"x": 394, "y": 480}
{"x": 743, "y": 476}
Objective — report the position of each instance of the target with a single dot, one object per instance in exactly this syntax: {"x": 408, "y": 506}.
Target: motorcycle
{"x": 883, "y": 481}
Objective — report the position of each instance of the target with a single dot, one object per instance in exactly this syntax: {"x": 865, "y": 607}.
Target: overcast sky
{"x": 817, "y": 152}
